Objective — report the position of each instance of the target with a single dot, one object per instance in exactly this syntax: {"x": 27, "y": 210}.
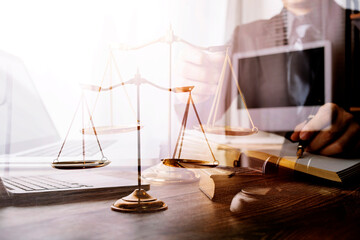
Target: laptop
{"x": 63, "y": 187}
{"x": 29, "y": 142}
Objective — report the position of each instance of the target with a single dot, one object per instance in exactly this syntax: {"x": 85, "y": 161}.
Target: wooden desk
{"x": 303, "y": 211}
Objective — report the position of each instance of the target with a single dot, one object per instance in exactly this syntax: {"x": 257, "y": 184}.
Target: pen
{"x": 303, "y": 143}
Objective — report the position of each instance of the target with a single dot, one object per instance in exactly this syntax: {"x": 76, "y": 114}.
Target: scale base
{"x": 139, "y": 201}
{"x": 161, "y": 173}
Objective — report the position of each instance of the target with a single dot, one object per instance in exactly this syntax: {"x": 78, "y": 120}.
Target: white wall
{"x": 66, "y": 42}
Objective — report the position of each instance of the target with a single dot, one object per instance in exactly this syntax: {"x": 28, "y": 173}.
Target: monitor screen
{"x": 282, "y": 85}
{"x": 283, "y": 79}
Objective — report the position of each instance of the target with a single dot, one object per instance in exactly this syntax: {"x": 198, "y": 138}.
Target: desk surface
{"x": 305, "y": 210}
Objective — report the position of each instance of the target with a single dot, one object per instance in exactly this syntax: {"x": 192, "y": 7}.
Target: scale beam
{"x": 168, "y": 38}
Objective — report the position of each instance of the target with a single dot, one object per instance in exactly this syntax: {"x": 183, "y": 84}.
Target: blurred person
{"x": 333, "y": 130}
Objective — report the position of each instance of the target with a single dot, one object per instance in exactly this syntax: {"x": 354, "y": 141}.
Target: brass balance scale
{"x": 210, "y": 127}
{"x": 111, "y": 129}
{"x": 140, "y": 200}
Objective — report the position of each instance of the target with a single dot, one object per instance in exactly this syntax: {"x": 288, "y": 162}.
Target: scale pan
{"x": 68, "y": 165}
{"x": 188, "y": 163}
{"x": 230, "y": 131}
{"x": 102, "y": 130}
{"x": 183, "y": 89}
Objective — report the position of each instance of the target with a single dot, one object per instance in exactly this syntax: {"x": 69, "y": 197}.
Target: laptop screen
{"x": 24, "y": 121}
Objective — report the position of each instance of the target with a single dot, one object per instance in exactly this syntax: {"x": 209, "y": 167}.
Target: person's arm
{"x": 332, "y": 131}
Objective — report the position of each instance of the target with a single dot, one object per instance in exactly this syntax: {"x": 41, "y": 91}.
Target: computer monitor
{"x": 281, "y": 85}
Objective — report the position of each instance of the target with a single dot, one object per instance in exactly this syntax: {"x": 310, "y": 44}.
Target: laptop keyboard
{"x": 71, "y": 149}
{"x": 39, "y": 183}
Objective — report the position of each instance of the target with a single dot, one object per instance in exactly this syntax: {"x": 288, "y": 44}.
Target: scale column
{"x": 139, "y": 200}
{"x": 138, "y": 130}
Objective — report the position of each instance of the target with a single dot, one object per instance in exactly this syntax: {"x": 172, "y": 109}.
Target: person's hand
{"x": 199, "y": 68}
{"x": 332, "y": 131}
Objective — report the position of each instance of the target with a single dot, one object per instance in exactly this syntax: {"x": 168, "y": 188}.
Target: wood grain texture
{"x": 295, "y": 210}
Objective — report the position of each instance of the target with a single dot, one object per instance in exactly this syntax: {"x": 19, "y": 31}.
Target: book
{"x": 223, "y": 182}
{"x": 339, "y": 170}
{"x": 268, "y": 153}
{"x": 267, "y": 158}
